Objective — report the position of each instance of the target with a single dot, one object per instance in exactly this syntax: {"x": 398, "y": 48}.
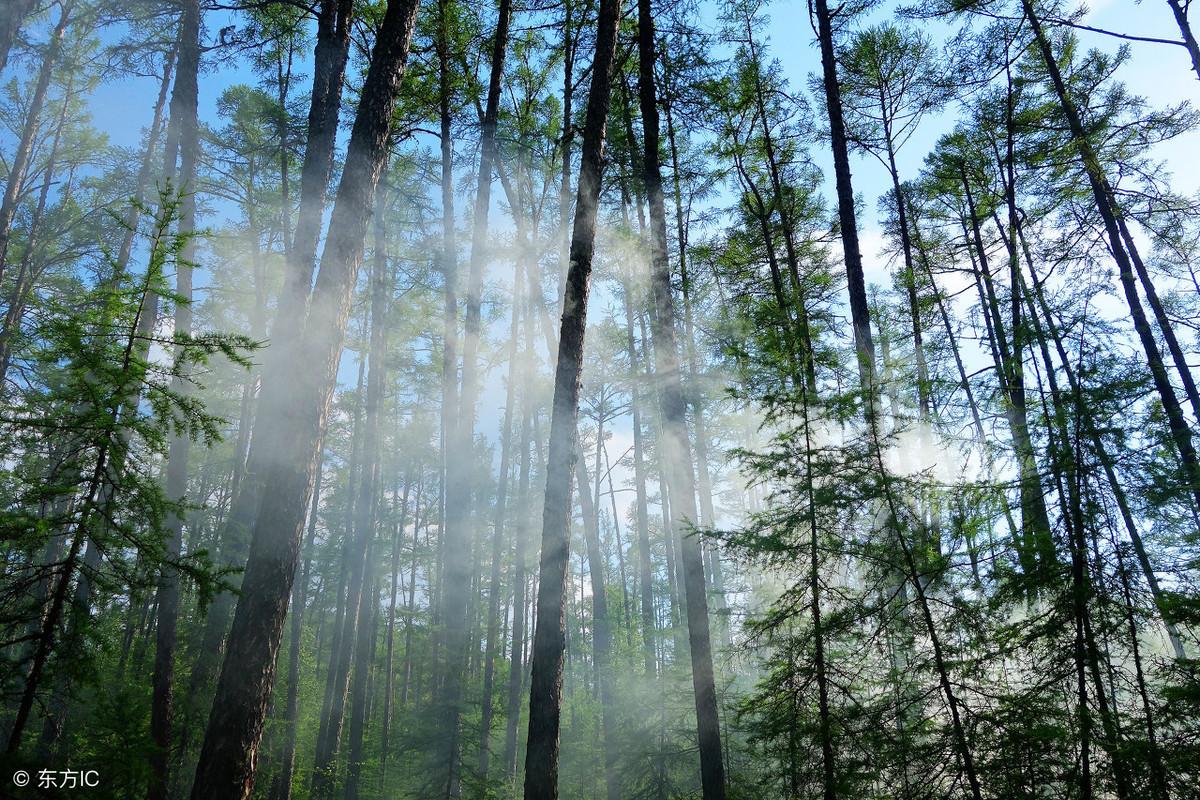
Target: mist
{"x": 724, "y": 400}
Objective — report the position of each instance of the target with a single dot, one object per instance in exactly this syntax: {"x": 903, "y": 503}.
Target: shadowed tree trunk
{"x": 12, "y": 15}
{"x": 329, "y": 64}
{"x": 541, "y": 759}
{"x": 297, "y": 412}
{"x": 675, "y": 455}
{"x": 185, "y": 108}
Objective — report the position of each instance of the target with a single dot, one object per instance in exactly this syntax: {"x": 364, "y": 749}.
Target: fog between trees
{"x": 599, "y": 399}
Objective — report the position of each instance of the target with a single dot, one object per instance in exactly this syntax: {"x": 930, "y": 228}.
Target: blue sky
{"x": 1159, "y": 72}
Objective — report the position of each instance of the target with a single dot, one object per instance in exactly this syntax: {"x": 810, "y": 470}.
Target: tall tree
{"x": 545, "y": 693}
{"x": 297, "y": 410}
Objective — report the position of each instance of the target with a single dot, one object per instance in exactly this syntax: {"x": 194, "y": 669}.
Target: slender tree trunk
{"x": 859, "y": 311}
{"x": 185, "y": 108}
{"x": 674, "y": 447}
{"x": 18, "y": 171}
{"x": 1102, "y": 193}
{"x": 645, "y": 566}
{"x": 369, "y": 485}
{"x": 350, "y": 586}
{"x": 389, "y": 693}
{"x": 297, "y": 410}
{"x": 601, "y": 621}
{"x": 1035, "y": 547}
{"x": 12, "y": 15}
{"x": 493, "y": 622}
{"x": 33, "y": 259}
{"x": 541, "y": 761}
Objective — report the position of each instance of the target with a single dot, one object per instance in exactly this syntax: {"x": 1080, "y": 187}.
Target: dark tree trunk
{"x": 12, "y": 15}
{"x": 1178, "y": 10}
{"x": 329, "y": 63}
{"x": 859, "y": 313}
{"x": 541, "y": 760}
{"x": 674, "y": 448}
{"x": 292, "y": 430}
{"x": 185, "y": 108}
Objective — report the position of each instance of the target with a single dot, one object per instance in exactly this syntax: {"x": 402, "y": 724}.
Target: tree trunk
{"x": 859, "y": 312}
{"x": 369, "y": 485}
{"x": 282, "y": 788}
{"x": 1178, "y": 10}
{"x": 12, "y": 15}
{"x": 493, "y": 614}
{"x": 645, "y": 566}
{"x": 1109, "y": 212}
{"x": 297, "y": 411}
{"x": 19, "y": 169}
{"x": 329, "y": 62}
{"x": 185, "y": 108}
{"x": 541, "y": 760}
{"x": 389, "y": 692}
{"x": 674, "y": 447}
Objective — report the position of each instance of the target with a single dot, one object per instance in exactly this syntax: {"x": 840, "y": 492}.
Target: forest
{"x": 599, "y": 400}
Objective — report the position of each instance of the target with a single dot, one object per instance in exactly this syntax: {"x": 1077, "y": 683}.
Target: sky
{"x": 1161, "y": 73}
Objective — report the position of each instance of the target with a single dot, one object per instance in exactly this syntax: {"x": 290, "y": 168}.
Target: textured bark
{"x": 12, "y": 15}
{"x": 674, "y": 448}
{"x": 185, "y": 108}
{"x": 292, "y": 431}
{"x": 541, "y": 760}
{"x": 329, "y": 62}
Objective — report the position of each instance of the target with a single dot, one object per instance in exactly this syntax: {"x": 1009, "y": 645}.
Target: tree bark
{"x": 185, "y": 108}
{"x": 12, "y": 15}
{"x": 674, "y": 447}
{"x": 329, "y": 62}
{"x": 541, "y": 760}
{"x": 297, "y": 412}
